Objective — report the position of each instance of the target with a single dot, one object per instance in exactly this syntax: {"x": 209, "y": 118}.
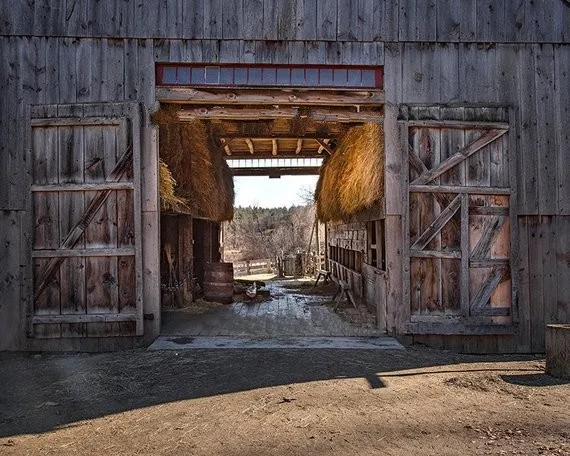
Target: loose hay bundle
{"x": 169, "y": 200}
{"x": 353, "y": 178}
{"x": 205, "y": 182}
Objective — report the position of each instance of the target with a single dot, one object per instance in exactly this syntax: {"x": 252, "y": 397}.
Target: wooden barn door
{"x": 458, "y": 227}
{"x": 85, "y": 249}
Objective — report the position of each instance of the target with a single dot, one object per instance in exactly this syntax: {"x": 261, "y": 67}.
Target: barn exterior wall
{"x": 514, "y": 54}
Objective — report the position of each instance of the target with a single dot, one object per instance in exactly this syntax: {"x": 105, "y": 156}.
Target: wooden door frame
{"x": 145, "y": 201}
{"x": 403, "y": 312}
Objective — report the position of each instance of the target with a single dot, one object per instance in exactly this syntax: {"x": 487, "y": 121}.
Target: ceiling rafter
{"x": 249, "y": 143}
{"x": 226, "y": 146}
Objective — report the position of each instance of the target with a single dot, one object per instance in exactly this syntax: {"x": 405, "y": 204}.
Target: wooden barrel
{"x": 219, "y": 282}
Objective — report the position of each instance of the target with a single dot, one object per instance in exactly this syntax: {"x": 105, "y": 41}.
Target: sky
{"x": 264, "y": 192}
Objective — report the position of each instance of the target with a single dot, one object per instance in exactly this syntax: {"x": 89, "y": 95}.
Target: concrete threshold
{"x": 224, "y": 342}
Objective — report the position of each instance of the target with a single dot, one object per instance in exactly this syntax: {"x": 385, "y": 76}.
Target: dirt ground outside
{"x": 281, "y": 402}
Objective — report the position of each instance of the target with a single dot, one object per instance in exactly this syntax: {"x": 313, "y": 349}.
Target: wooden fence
{"x": 248, "y": 267}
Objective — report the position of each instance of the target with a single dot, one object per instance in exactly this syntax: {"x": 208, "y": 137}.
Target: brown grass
{"x": 352, "y": 179}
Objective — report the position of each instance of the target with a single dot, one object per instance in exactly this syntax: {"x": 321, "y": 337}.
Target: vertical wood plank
{"x": 549, "y": 270}
{"x": 252, "y": 15}
{"x": 10, "y": 248}
{"x": 448, "y": 80}
{"x": 562, "y": 136}
{"x": 193, "y": 18}
{"x": 535, "y": 252}
{"x": 514, "y": 24}
{"x": 132, "y": 70}
{"x": 326, "y": 19}
{"x": 528, "y": 161}
{"x": 490, "y": 20}
{"x": 562, "y": 269}
{"x": 465, "y": 241}
{"x": 468, "y": 30}
{"x": 232, "y": 16}
{"x": 213, "y": 19}
{"x": 448, "y": 20}
{"x": 306, "y": 20}
{"x": 83, "y": 70}
{"x": 545, "y": 128}
{"x": 145, "y": 73}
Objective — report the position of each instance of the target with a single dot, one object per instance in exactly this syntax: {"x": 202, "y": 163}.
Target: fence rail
{"x": 264, "y": 266}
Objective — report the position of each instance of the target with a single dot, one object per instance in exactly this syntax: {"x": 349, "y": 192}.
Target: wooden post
{"x": 558, "y": 351}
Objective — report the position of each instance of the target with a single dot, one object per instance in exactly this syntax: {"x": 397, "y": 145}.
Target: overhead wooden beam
{"x": 274, "y": 147}
{"x": 299, "y": 146}
{"x": 342, "y": 114}
{"x": 269, "y": 96}
{"x": 225, "y": 146}
{"x": 250, "y": 145}
{"x": 274, "y": 171}
{"x": 324, "y": 146}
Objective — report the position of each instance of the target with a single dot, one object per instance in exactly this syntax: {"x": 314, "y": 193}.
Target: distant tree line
{"x": 256, "y": 232}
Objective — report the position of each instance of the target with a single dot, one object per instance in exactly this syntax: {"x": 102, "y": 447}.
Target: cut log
{"x": 558, "y": 351}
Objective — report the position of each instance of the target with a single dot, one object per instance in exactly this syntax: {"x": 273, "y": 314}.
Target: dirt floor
{"x": 281, "y": 402}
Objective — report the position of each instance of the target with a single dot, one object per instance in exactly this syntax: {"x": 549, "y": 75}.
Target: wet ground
{"x": 293, "y": 308}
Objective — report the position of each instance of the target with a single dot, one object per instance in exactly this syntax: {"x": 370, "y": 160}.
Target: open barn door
{"x": 458, "y": 243}
{"x": 86, "y": 242}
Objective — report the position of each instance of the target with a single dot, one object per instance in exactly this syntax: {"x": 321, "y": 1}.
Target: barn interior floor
{"x": 289, "y": 312}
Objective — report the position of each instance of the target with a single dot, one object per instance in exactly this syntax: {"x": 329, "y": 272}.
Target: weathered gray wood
{"x": 463, "y": 189}
{"x": 438, "y": 223}
{"x": 457, "y": 124}
{"x": 212, "y": 96}
{"x": 448, "y": 254}
{"x": 81, "y": 187}
{"x": 83, "y": 318}
{"x": 10, "y": 311}
{"x": 68, "y": 253}
{"x": 459, "y": 329}
{"x": 326, "y": 19}
{"x": 213, "y": 19}
{"x": 535, "y": 255}
{"x": 545, "y": 129}
{"x": 562, "y": 270}
{"x": 460, "y": 156}
{"x": 481, "y": 297}
{"x": 490, "y": 231}
{"x": 73, "y": 236}
{"x": 528, "y": 161}
{"x": 558, "y": 351}
{"x": 562, "y": 135}
{"x": 188, "y": 23}
{"x": 252, "y": 19}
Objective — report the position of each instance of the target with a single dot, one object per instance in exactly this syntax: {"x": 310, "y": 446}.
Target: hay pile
{"x": 200, "y": 181}
{"x": 352, "y": 179}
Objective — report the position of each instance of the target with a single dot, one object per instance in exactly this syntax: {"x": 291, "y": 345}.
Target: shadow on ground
{"x": 39, "y": 393}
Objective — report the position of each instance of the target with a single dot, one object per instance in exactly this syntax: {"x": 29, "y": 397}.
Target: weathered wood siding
{"x": 514, "y": 54}
{"x": 326, "y": 20}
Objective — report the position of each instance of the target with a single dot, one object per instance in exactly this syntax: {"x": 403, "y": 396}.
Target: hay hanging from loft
{"x": 169, "y": 200}
{"x": 352, "y": 179}
{"x": 204, "y": 180}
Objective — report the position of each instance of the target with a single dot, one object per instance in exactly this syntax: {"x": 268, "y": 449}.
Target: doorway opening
{"x": 202, "y": 148}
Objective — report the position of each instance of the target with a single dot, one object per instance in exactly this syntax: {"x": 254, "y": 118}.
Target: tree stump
{"x": 558, "y": 351}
